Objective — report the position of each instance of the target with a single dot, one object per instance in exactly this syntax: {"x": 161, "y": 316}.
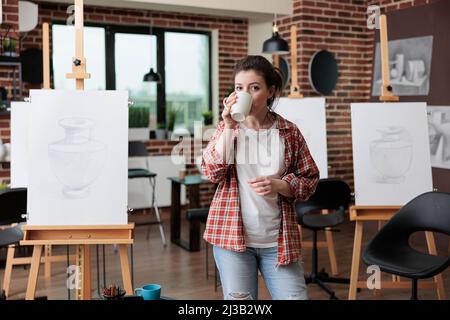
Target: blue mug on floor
{"x": 149, "y": 292}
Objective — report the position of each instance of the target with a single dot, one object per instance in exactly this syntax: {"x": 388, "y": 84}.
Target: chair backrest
{"x": 330, "y": 194}
{"x": 13, "y": 204}
{"x": 137, "y": 149}
{"x": 429, "y": 211}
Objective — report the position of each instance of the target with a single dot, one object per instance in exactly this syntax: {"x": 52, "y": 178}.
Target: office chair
{"x": 332, "y": 195}
{"x": 390, "y": 249}
{"x": 13, "y": 207}
{"x": 202, "y": 215}
{"x": 138, "y": 149}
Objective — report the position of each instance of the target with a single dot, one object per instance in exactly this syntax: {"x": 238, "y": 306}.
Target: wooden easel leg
{"x": 8, "y": 269}
{"x": 34, "y": 272}
{"x": 86, "y": 272}
{"x": 355, "y": 260}
{"x": 47, "y": 264}
{"x": 301, "y": 233}
{"x": 437, "y": 279}
{"x": 125, "y": 266}
{"x": 331, "y": 252}
{"x": 83, "y": 261}
{"x": 376, "y": 292}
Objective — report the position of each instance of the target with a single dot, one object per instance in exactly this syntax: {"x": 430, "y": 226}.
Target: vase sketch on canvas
{"x": 77, "y": 160}
{"x": 391, "y": 154}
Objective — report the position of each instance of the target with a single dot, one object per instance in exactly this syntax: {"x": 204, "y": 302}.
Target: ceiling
{"x": 255, "y": 9}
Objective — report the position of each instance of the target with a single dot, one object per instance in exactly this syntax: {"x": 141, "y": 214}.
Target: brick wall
{"x": 9, "y": 28}
{"x": 338, "y": 26}
{"x": 233, "y": 34}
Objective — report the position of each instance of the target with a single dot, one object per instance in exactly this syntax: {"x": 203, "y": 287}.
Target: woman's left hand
{"x": 264, "y": 186}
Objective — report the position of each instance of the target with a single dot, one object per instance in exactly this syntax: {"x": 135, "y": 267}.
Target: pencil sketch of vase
{"x": 77, "y": 160}
{"x": 392, "y": 154}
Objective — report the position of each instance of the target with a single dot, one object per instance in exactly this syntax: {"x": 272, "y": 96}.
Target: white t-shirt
{"x": 259, "y": 153}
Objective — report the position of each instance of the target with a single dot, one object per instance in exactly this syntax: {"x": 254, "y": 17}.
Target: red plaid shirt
{"x": 224, "y": 227}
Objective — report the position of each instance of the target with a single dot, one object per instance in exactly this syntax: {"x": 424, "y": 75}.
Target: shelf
{"x": 9, "y": 59}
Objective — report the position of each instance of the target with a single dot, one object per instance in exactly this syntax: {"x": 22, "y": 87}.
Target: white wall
{"x": 259, "y": 30}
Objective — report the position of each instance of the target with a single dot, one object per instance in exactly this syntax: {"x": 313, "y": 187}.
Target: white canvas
{"x": 391, "y": 158}
{"x": 78, "y": 146}
{"x": 20, "y": 112}
{"x": 309, "y": 116}
{"x": 439, "y": 136}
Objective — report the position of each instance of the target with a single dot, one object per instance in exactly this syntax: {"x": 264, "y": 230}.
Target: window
{"x": 118, "y": 57}
{"x": 187, "y": 76}
{"x": 63, "y": 50}
{"x": 134, "y": 55}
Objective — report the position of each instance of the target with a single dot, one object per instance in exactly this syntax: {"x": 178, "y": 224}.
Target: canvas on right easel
{"x": 391, "y": 157}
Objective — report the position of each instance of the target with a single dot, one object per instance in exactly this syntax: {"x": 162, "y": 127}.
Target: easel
{"x": 47, "y": 259}
{"x": 295, "y": 94}
{"x": 360, "y": 214}
{"x": 386, "y": 88}
{"x": 295, "y": 88}
{"x": 81, "y": 236}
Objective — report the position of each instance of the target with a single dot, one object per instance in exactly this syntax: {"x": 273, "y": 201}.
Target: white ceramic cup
{"x": 241, "y": 109}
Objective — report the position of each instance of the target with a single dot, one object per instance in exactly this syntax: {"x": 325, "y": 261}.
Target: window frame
{"x": 110, "y": 66}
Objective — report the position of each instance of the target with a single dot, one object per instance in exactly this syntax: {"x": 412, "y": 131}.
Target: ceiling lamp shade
{"x": 275, "y": 45}
{"x": 152, "y": 76}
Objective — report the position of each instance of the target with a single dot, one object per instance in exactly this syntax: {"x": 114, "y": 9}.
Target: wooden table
{"x": 193, "y": 182}
{"x": 360, "y": 214}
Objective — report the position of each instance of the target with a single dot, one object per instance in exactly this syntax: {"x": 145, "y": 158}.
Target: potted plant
{"x": 9, "y": 47}
{"x": 138, "y": 123}
{"x": 160, "y": 131}
{"x": 172, "y": 116}
{"x": 4, "y": 186}
{"x": 207, "y": 118}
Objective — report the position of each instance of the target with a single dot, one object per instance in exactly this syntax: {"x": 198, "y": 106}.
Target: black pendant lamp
{"x": 152, "y": 76}
{"x": 276, "y": 44}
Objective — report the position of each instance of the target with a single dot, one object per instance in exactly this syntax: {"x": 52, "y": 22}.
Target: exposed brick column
{"x": 338, "y": 26}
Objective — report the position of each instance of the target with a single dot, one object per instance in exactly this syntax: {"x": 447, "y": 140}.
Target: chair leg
{"x": 315, "y": 258}
{"x": 321, "y": 277}
{"x": 325, "y": 288}
{"x": 414, "y": 290}
{"x": 155, "y": 207}
{"x": 206, "y": 260}
{"x": 161, "y": 229}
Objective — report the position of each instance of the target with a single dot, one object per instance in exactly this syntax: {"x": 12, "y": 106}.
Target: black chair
{"x": 138, "y": 149}
{"x": 332, "y": 195}
{"x": 13, "y": 208}
{"x": 201, "y": 215}
{"x": 390, "y": 249}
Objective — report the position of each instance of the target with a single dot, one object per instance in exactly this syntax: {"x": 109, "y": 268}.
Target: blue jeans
{"x": 239, "y": 274}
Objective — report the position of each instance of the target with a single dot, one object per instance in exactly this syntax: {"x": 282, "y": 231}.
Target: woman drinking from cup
{"x": 262, "y": 165}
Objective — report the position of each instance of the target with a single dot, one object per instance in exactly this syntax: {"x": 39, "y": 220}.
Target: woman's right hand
{"x": 226, "y": 113}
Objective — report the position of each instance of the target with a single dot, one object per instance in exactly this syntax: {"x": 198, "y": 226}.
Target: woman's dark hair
{"x": 264, "y": 68}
